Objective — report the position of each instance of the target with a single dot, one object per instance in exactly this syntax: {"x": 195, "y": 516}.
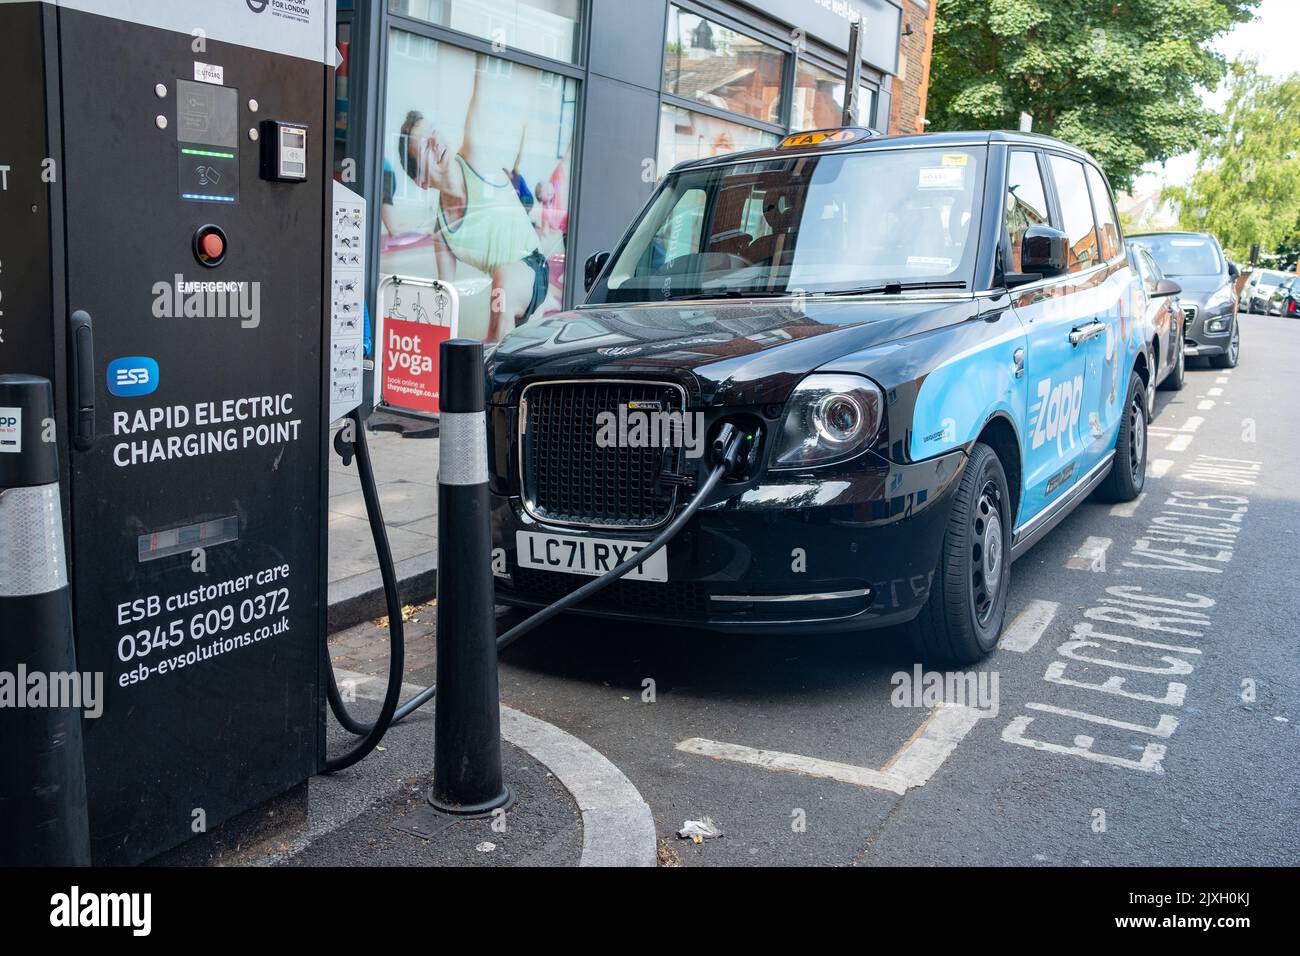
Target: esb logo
{"x": 132, "y": 376}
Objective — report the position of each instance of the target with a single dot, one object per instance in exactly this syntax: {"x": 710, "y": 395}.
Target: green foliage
{"x": 1248, "y": 187}
{"x": 1115, "y": 77}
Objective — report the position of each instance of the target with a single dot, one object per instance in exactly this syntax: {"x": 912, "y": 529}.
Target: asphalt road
{"x": 1150, "y": 717}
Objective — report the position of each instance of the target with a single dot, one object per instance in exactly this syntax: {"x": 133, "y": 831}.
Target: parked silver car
{"x": 1259, "y": 289}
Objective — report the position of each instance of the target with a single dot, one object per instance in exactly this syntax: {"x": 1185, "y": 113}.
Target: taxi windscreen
{"x": 831, "y": 222}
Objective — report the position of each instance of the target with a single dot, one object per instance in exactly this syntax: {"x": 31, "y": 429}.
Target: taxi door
{"x": 1056, "y": 314}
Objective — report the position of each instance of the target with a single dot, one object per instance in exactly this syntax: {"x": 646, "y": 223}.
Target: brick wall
{"x": 912, "y": 84}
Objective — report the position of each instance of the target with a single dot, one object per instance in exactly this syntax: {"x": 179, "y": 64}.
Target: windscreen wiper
{"x": 729, "y": 294}
{"x": 893, "y": 288}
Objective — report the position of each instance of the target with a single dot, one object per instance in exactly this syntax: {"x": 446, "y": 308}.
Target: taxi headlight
{"x": 830, "y": 417}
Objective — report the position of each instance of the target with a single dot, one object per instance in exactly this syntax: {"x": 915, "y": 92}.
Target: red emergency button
{"x": 212, "y": 246}
{"x": 209, "y": 245}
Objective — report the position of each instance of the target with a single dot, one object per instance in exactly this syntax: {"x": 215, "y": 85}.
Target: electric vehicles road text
{"x": 935, "y": 346}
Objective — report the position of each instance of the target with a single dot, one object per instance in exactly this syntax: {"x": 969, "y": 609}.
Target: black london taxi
{"x": 937, "y": 345}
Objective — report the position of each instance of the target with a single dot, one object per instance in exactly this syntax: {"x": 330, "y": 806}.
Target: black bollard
{"x": 467, "y": 778}
{"x": 43, "y": 818}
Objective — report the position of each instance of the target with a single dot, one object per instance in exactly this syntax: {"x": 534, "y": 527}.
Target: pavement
{"x": 1143, "y": 708}
{"x": 404, "y": 454}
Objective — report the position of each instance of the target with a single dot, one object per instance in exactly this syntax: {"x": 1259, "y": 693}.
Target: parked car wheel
{"x": 1229, "y": 358}
{"x": 1174, "y": 381}
{"x": 962, "y": 619}
{"x": 1128, "y": 472}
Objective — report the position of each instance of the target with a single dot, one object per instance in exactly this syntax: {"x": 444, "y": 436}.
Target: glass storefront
{"x": 547, "y": 28}
{"x": 468, "y": 122}
{"x": 685, "y": 135}
{"x": 819, "y": 99}
{"x": 477, "y": 156}
{"x": 720, "y": 67}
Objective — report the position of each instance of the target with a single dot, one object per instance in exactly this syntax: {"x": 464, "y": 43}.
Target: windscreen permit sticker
{"x": 941, "y": 177}
{"x": 939, "y": 261}
{"x": 955, "y": 159}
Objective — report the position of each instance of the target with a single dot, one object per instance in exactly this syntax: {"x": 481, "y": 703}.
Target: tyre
{"x": 1229, "y": 358}
{"x": 1177, "y": 376}
{"x": 1128, "y": 470}
{"x": 962, "y": 618}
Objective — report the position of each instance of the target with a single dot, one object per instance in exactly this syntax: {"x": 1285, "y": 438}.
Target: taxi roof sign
{"x": 839, "y": 136}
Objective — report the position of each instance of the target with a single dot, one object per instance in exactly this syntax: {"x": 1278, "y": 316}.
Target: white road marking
{"x": 1126, "y": 509}
{"x": 1023, "y": 633}
{"x": 1165, "y": 727}
{"x": 1205, "y": 406}
{"x": 1159, "y": 467}
{"x": 1221, "y": 380}
{"x": 913, "y": 765}
{"x": 1091, "y": 555}
{"x": 1193, "y": 423}
{"x": 1215, "y": 391}
{"x": 1179, "y": 443}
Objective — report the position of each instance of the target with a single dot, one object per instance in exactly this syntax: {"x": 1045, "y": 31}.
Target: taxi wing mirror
{"x": 1165, "y": 288}
{"x": 1044, "y": 254}
{"x": 591, "y": 271}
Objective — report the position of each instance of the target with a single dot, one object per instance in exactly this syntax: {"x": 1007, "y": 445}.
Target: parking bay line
{"x": 1028, "y": 626}
{"x": 1160, "y": 467}
{"x": 1091, "y": 555}
{"x": 912, "y": 766}
{"x": 1205, "y": 405}
{"x": 1179, "y": 443}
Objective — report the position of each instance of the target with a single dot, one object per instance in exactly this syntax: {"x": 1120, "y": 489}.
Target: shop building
{"x": 501, "y": 142}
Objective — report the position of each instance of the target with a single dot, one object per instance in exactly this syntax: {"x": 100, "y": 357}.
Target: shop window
{"x": 819, "y": 99}
{"x": 686, "y": 135}
{"x": 710, "y": 63}
{"x": 545, "y": 27}
{"x": 477, "y": 160}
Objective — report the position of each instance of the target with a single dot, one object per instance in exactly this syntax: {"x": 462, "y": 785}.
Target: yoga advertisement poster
{"x": 477, "y": 162}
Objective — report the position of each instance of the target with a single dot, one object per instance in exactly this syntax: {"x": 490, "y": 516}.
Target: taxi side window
{"x": 1107, "y": 221}
{"x": 1076, "y": 213}
{"x": 1026, "y": 202}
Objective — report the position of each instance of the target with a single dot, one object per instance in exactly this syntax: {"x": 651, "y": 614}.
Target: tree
{"x": 1118, "y": 78}
{"x": 1248, "y": 187}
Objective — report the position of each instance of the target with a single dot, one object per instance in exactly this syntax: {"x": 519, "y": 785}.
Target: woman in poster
{"x": 480, "y": 218}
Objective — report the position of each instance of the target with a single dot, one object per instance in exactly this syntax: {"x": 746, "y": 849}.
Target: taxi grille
{"x": 569, "y": 478}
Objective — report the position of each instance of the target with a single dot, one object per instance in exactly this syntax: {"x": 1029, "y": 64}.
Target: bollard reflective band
{"x": 462, "y": 448}
{"x": 31, "y": 541}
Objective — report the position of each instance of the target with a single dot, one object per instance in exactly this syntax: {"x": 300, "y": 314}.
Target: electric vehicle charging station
{"x": 165, "y": 262}
{"x": 173, "y": 242}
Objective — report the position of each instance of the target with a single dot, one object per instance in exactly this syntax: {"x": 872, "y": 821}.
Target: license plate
{"x": 591, "y": 556}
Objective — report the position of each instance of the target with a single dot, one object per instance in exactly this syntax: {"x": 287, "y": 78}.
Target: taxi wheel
{"x": 961, "y": 620}
{"x": 1128, "y": 469}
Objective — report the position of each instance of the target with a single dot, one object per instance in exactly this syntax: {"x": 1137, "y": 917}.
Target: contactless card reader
{"x": 284, "y": 151}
